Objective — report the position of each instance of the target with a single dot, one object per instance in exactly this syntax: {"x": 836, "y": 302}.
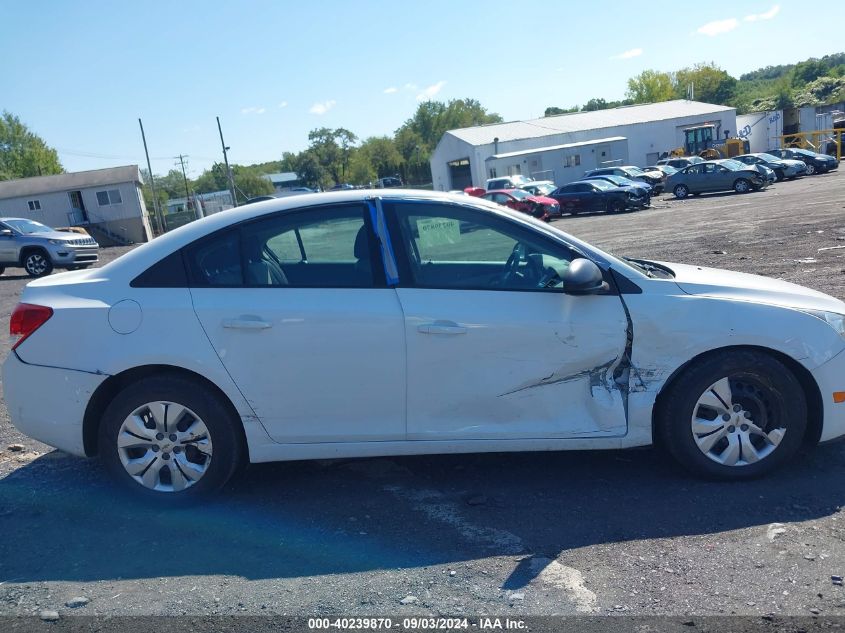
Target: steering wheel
{"x": 511, "y": 266}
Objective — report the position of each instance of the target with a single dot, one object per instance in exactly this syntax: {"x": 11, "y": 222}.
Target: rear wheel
{"x": 170, "y": 438}
{"x": 733, "y": 415}
{"x": 615, "y": 206}
{"x": 37, "y": 263}
{"x": 2, "y": 270}
{"x": 681, "y": 191}
{"x": 742, "y": 186}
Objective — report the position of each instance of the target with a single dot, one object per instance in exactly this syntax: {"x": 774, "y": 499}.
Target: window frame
{"x": 379, "y": 280}
{"x": 34, "y": 204}
{"x": 403, "y": 260}
{"x": 108, "y": 193}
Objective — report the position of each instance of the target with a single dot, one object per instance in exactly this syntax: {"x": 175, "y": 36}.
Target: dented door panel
{"x": 526, "y": 365}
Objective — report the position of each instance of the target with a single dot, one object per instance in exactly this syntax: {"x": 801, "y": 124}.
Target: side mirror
{"x": 6, "y": 232}
{"x": 583, "y": 277}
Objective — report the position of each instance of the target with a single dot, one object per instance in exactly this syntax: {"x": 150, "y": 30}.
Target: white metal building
{"x": 561, "y": 148}
{"x": 763, "y": 130}
{"x": 107, "y": 202}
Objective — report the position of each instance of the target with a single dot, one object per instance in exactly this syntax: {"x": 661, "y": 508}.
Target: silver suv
{"x": 38, "y": 249}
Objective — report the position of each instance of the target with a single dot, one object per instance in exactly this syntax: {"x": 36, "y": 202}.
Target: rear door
{"x": 297, "y": 309}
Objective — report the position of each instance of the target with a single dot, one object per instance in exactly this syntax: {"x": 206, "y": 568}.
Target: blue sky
{"x": 83, "y": 72}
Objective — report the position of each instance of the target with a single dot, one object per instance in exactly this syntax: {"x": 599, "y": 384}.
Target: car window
{"x": 693, "y": 169}
{"x": 325, "y": 247}
{"x": 454, "y": 247}
{"x": 710, "y": 168}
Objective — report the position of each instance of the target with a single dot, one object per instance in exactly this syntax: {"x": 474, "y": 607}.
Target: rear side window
{"x": 326, "y": 247}
{"x": 216, "y": 261}
{"x": 167, "y": 273}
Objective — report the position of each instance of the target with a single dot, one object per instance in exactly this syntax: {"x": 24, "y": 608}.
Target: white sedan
{"x": 369, "y": 323}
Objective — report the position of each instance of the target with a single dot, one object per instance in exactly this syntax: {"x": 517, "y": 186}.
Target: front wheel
{"x": 733, "y": 415}
{"x": 615, "y": 206}
{"x": 2, "y": 270}
{"x": 742, "y": 186}
{"x": 681, "y": 191}
{"x": 811, "y": 169}
{"x": 170, "y": 438}
{"x": 37, "y": 264}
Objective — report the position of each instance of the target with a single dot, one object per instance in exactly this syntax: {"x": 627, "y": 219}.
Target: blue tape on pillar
{"x": 388, "y": 259}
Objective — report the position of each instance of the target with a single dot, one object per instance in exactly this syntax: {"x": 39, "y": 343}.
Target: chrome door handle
{"x": 246, "y": 324}
{"x": 441, "y": 327}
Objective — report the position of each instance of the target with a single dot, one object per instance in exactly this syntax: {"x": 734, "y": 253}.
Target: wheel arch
{"x": 812, "y": 393}
{"x": 107, "y": 391}
{"x": 26, "y": 250}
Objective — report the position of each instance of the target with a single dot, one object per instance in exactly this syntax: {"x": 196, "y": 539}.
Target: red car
{"x": 540, "y": 207}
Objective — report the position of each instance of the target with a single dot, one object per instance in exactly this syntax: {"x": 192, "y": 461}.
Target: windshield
{"x": 768, "y": 157}
{"x": 603, "y": 184}
{"x": 733, "y": 165}
{"x": 616, "y": 180}
{"x": 545, "y": 189}
{"x": 636, "y": 171}
{"x": 27, "y": 226}
{"x": 668, "y": 170}
{"x": 519, "y": 194}
{"x": 803, "y": 152}
{"x": 521, "y": 180}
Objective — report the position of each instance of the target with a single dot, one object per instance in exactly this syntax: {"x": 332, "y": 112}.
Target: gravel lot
{"x": 600, "y": 532}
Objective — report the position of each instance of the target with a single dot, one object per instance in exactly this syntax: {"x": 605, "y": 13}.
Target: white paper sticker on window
{"x": 438, "y": 231}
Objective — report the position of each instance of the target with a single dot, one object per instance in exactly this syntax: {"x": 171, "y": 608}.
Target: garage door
{"x": 460, "y": 175}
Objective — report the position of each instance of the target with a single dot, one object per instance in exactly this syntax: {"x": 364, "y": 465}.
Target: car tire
{"x": 741, "y": 185}
{"x": 779, "y": 176}
{"x": 758, "y": 429}
{"x": 36, "y": 263}
{"x": 207, "y": 450}
{"x": 681, "y": 191}
{"x": 615, "y": 206}
{"x": 2, "y": 270}
{"x": 811, "y": 169}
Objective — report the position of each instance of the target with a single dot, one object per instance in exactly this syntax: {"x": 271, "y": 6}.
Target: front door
{"x": 297, "y": 310}
{"x": 8, "y": 248}
{"x": 495, "y": 349}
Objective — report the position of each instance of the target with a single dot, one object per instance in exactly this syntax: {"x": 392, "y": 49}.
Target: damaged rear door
{"x": 495, "y": 349}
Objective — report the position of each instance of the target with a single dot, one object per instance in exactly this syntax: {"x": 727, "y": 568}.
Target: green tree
{"x": 650, "y": 86}
{"x": 710, "y": 83}
{"x": 248, "y": 182}
{"x": 332, "y": 149}
{"x": 23, "y": 153}
{"x": 382, "y": 154}
{"x": 554, "y": 110}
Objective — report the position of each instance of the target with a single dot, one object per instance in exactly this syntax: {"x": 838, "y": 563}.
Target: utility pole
{"x": 197, "y": 209}
{"x": 156, "y": 208}
{"x": 226, "y": 161}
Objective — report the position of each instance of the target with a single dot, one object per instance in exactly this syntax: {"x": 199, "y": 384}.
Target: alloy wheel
{"x": 734, "y": 423}
{"x": 36, "y": 264}
{"x": 164, "y": 446}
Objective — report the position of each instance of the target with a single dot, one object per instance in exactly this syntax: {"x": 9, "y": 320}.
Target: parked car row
{"x": 627, "y": 187}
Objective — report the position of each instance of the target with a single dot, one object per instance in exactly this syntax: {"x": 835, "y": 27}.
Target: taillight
{"x": 27, "y": 318}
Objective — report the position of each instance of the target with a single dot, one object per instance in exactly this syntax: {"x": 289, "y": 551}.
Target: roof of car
{"x": 137, "y": 259}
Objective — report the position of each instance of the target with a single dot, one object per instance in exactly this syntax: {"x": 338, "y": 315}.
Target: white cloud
{"x": 412, "y": 87}
{"x": 712, "y": 29}
{"x": 283, "y": 104}
{"x": 253, "y": 110}
{"x": 321, "y": 107}
{"x": 634, "y": 52}
{"x": 768, "y": 15}
{"x": 431, "y": 91}
{"x": 390, "y": 91}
